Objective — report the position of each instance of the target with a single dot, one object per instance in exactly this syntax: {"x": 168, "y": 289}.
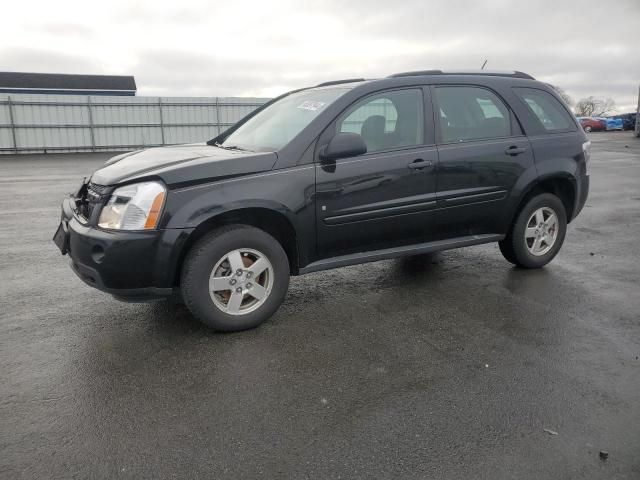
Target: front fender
{"x": 289, "y": 192}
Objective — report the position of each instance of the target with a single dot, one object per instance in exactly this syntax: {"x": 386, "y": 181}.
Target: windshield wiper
{"x": 219, "y": 145}
{"x": 233, "y": 147}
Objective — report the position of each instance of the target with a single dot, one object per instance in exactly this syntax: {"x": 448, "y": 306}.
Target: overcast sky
{"x": 265, "y": 47}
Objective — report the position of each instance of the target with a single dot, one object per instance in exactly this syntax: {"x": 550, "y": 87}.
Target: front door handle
{"x": 515, "y": 150}
{"x": 419, "y": 164}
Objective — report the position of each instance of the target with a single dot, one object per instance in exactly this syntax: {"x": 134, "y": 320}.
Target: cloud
{"x": 66, "y": 29}
{"x": 250, "y": 47}
{"x": 46, "y": 61}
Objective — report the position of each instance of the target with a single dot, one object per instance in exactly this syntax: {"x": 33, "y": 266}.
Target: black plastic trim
{"x": 420, "y": 248}
{"x": 380, "y": 213}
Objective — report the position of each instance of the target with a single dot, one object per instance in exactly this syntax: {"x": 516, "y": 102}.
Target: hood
{"x": 182, "y": 164}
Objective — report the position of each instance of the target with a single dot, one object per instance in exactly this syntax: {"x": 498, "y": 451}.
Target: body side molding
{"x": 405, "y": 250}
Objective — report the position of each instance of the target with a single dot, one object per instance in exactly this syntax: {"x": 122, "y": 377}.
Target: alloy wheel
{"x": 541, "y": 231}
{"x": 241, "y": 281}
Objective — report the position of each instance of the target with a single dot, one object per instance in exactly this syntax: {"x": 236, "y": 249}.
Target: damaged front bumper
{"x": 135, "y": 266}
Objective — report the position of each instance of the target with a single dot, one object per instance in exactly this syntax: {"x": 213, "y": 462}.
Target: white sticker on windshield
{"x": 311, "y": 105}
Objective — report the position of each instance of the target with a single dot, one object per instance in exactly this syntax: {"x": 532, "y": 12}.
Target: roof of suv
{"x": 425, "y": 73}
{"x": 489, "y": 73}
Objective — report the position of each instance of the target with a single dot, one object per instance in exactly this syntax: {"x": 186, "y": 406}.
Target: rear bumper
{"x": 132, "y": 266}
{"x": 581, "y": 195}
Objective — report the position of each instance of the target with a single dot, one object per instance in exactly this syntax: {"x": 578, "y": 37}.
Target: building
{"x": 63, "y": 84}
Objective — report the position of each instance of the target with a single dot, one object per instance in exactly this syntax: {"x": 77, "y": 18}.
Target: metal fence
{"x": 638, "y": 115}
{"x": 81, "y": 123}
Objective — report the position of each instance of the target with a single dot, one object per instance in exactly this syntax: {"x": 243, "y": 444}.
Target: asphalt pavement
{"x": 449, "y": 366}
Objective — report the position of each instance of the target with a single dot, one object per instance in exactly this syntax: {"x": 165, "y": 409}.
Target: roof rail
{"x": 490, "y": 73}
{"x": 338, "y": 82}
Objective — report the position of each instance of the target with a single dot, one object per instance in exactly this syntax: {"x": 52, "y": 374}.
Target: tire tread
{"x": 512, "y": 247}
{"x": 189, "y": 288}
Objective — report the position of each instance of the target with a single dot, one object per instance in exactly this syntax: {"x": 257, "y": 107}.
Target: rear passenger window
{"x": 471, "y": 113}
{"x": 552, "y": 115}
{"x": 388, "y": 120}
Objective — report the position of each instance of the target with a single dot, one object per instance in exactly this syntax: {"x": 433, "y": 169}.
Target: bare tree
{"x": 594, "y": 107}
{"x": 564, "y": 95}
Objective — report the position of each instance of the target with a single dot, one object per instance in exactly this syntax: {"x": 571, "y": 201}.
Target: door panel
{"x": 474, "y": 181}
{"x": 375, "y": 201}
{"x": 386, "y": 197}
{"x": 482, "y": 153}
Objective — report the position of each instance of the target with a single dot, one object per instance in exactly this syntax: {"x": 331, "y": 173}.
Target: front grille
{"x": 91, "y": 197}
{"x": 98, "y": 189}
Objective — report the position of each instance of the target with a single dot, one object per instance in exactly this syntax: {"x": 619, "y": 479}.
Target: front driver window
{"x": 387, "y": 120}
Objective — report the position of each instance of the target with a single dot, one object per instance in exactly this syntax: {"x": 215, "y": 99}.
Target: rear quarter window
{"x": 551, "y": 114}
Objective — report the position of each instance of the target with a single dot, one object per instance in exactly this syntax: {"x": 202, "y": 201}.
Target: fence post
{"x": 637, "y": 129}
{"x": 93, "y": 137}
{"x": 218, "y": 116}
{"x": 161, "y": 121}
{"x": 13, "y": 124}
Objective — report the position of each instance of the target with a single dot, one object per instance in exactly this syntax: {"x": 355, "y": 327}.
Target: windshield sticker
{"x": 311, "y": 105}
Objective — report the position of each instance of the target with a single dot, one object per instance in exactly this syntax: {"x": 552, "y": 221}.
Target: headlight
{"x": 134, "y": 207}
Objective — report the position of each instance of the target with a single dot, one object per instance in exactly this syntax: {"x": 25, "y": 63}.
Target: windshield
{"x": 275, "y": 126}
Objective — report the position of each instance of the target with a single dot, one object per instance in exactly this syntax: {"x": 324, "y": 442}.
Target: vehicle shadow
{"x": 417, "y": 269}
{"x": 171, "y": 319}
{"x": 174, "y": 318}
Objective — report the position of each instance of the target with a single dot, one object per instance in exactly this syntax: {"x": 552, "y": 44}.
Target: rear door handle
{"x": 515, "y": 150}
{"x": 419, "y": 164}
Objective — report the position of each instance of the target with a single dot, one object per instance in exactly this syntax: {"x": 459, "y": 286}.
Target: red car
{"x": 592, "y": 124}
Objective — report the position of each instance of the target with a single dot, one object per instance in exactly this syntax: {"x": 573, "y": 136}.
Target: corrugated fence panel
{"x": 5, "y": 119}
{"x": 184, "y": 110}
{"x": 107, "y": 115}
{"x": 50, "y": 114}
{"x": 108, "y": 111}
{"x": 5, "y": 137}
{"x": 233, "y": 109}
{"x": 52, "y": 138}
{"x": 128, "y": 136}
{"x": 175, "y": 134}
{"x": 94, "y": 123}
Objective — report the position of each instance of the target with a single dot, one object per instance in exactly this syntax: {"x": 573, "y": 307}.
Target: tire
{"x": 217, "y": 255}
{"x": 528, "y": 245}
{"x": 587, "y": 129}
{"x": 506, "y": 248}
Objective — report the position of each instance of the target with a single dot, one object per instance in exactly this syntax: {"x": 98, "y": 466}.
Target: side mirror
{"x": 344, "y": 145}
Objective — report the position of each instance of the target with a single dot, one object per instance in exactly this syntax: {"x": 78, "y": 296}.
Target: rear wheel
{"x": 587, "y": 128}
{"x": 235, "y": 278}
{"x": 537, "y": 234}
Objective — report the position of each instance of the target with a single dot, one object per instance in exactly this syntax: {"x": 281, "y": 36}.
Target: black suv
{"x": 338, "y": 174}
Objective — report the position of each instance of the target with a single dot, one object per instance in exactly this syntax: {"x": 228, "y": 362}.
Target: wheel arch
{"x": 562, "y": 185}
{"x": 274, "y": 222}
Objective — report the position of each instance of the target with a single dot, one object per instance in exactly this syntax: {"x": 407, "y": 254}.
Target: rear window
{"x": 471, "y": 113}
{"x": 547, "y": 109}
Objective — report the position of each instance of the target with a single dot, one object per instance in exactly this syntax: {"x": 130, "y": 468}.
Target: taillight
{"x": 586, "y": 151}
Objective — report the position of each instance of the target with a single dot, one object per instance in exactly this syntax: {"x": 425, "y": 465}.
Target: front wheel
{"x": 538, "y": 232}
{"x": 235, "y": 278}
